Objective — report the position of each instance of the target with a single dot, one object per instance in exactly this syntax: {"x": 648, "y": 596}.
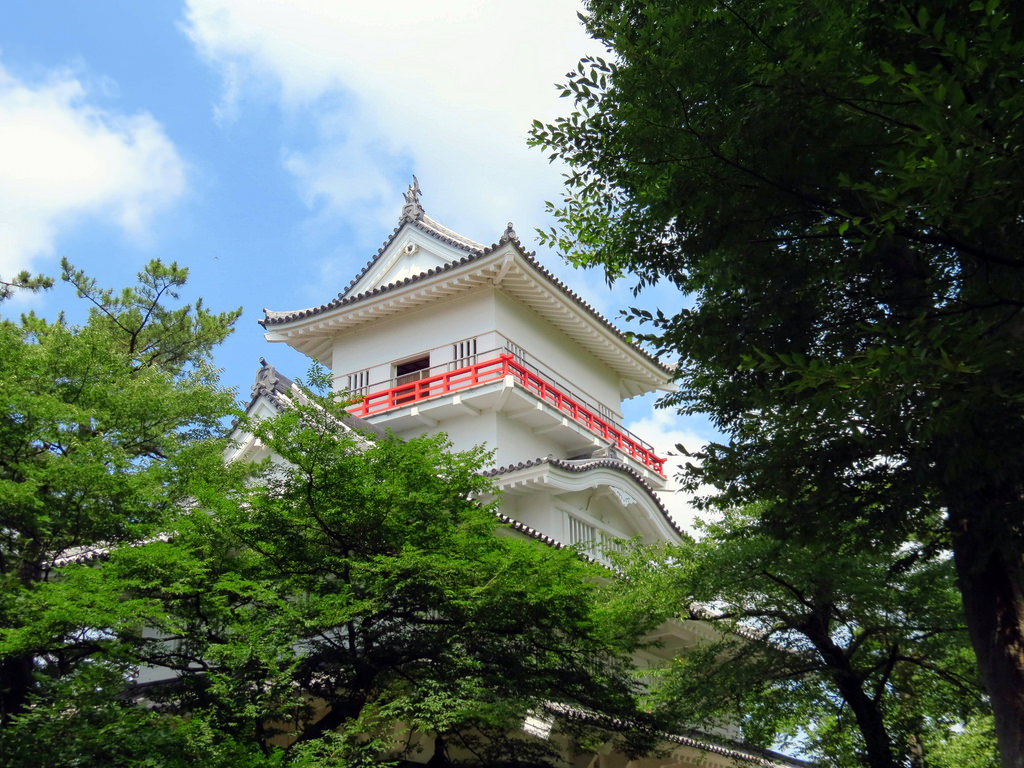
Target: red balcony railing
{"x": 496, "y": 369}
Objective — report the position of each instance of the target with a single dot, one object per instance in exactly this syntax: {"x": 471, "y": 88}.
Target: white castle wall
{"x": 557, "y": 352}
{"x": 482, "y": 314}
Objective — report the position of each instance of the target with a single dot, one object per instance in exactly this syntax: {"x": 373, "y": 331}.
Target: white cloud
{"x": 450, "y": 87}
{"x": 342, "y": 173}
{"x": 62, "y": 158}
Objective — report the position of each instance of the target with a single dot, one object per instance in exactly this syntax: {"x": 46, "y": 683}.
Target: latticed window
{"x": 516, "y": 351}
{"x": 583, "y": 535}
{"x": 358, "y": 382}
{"x": 592, "y": 540}
{"x": 463, "y": 353}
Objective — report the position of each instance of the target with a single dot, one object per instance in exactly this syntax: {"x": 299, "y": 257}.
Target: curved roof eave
{"x": 577, "y": 466}
{"x": 280, "y": 321}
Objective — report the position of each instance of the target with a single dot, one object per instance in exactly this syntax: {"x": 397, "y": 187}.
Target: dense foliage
{"x": 845, "y": 652}
{"x": 358, "y": 603}
{"x": 351, "y": 602}
{"x": 106, "y": 429}
{"x": 973, "y": 747}
{"x": 837, "y": 190}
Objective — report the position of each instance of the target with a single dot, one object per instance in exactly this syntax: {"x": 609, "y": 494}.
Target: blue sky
{"x": 266, "y": 145}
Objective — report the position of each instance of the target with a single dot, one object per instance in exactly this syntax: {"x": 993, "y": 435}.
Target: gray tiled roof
{"x": 742, "y": 752}
{"x": 343, "y": 299}
{"x": 527, "y": 530}
{"x": 585, "y": 465}
{"x": 277, "y": 318}
{"x": 739, "y": 751}
{"x": 279, "y": 389}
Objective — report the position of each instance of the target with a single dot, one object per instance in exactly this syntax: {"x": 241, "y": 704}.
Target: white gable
{"x": 423, "y": 263}
{"x": 419, "y": 245}
{"x": 410, "y": 252}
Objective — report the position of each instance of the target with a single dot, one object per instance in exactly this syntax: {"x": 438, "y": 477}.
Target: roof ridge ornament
{"x": 413, "y": 209}
{"x": 509, "y": 235}
{"x": 269, "y": 381}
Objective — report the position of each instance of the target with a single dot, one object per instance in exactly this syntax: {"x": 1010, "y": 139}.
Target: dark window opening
{"x": 408, "y": 372}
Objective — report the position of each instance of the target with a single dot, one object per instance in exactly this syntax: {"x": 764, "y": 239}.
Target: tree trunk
{"x": 15, "y": 683}
{"x": 986, "y": 548}
{"x": 338, "y": 712}
{"x": 850, "y": 685}
{"x": 869, "y": 721}
{"x": 439, "y": 759}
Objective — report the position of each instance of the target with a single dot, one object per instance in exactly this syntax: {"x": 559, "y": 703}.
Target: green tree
{"x": 81, "y": 721}
{"x": 24, "y": 281}
{"x": 107, "y": 428}
{"x": 846, "y": 651}
{"x": 361, "y": 597}
{"x": 837, "y": 189}
{"x": 973, "y": 747}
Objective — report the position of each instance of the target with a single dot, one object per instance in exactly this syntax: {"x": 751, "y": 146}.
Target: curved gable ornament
{"x": 614, "y": 480}
{"x": 624, "y": 498}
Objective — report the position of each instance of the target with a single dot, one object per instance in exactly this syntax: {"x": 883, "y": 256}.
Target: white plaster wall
{"x": 377, "y": 345}
{"x": 594, "y": 503}
{"x": 549, "y": 512}
{"x": 488, "y": 315}
{"x": 465, "y": 432}
{"x": 491, "y": 317}
{"x": 511, "y": 442}
{"x": 518, "y": 442}
{"x": 548, "y": 347}
{"x": 536, "y": 510}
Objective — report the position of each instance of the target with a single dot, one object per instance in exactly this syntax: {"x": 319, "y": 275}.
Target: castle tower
{"x": 441, "y": 333}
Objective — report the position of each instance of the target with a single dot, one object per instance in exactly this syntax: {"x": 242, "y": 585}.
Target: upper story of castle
{"x": 439, "y": 332}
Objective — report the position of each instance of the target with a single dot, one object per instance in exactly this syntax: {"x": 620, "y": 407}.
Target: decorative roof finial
{"x": 509, "y": 234}
{"x": 412, "y": 210}
{"x": 268, "y": 380}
